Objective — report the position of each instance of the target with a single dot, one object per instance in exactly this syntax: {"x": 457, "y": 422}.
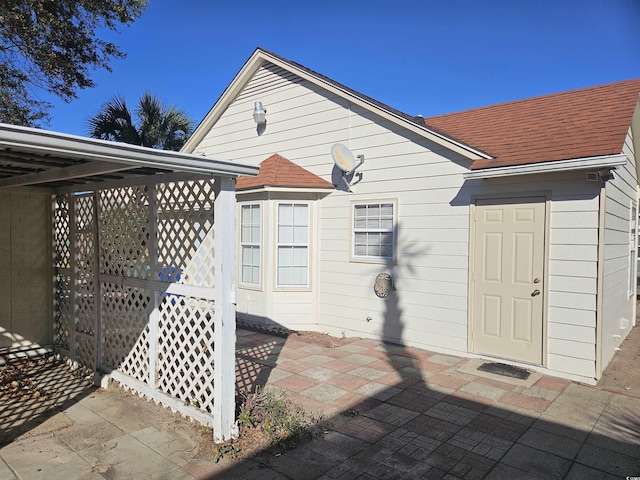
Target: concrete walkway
{"x": 393, "y": 412}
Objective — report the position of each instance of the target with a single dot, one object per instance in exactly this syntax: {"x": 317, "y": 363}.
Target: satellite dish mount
{"x": 346, "y": 162}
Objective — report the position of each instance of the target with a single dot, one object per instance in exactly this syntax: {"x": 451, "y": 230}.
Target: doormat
{"x": 505, "y": 370}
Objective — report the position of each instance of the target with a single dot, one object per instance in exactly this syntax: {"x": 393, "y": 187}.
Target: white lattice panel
{"x": 185, "y": 232}
{"x": 85, "y": 310}
{"x": 85, "y": 349}
{"x": 63, "y": 306}
{"x": 63, "y": 310}
{"x": 61, "y": 232}
{"x": 174, "y": 222}
{"x": 125, "y": 330}
{"x": 125, "y": 232}
{"x": 185, "y": 350}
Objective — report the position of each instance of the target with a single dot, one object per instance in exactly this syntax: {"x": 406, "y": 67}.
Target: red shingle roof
{"x": 577, "y": 124}
{"x": 277, "y": 171}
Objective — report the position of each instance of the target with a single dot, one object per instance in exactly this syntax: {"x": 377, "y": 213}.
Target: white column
{"x": 154, "y": 316}
{"x": 224, "y": 245}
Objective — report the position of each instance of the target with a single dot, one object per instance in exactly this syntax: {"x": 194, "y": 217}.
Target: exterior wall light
{"x": 259, "y": 114}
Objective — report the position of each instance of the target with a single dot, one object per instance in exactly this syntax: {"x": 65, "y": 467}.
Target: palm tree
{"x": 158, "y": 125}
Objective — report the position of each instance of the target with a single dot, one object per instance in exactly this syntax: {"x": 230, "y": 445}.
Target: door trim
{"x": 544, "y": 195}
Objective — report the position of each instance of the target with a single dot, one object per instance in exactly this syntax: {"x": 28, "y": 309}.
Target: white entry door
{"x": 508, "y": 274}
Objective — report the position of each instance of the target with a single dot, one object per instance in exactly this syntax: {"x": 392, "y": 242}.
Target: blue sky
{"x": 419, "y": 56}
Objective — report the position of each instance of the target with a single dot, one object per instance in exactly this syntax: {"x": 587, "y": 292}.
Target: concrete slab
{"x": 122, "y": 410}
{"x": 617, "y": 428}
{"x": 582, "y": 472}
{"x": 565, "y": 420}
{"x": 551, "y": 443}
{"x": 113, "y": 460}
{"x": 55, "y": 423}
{"x": 541, "y": 464}
{"x": 609, "y": 461}
{"x": 582, "y": 397}
{"x": 45, "y": 457}
{"x": 80, "y": 414}
{"x": 81, "y": 436}
{"x": 507, "y": 472}
{"x": 5, "y": 472}
{"x": 175, "y": 445}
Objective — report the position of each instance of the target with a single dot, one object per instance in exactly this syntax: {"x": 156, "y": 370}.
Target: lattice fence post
{"x": 97, "y": 336}
{"x": 224, "y": 335}
{"x": 154, "y": 316}
{"x": 73, "y": 289}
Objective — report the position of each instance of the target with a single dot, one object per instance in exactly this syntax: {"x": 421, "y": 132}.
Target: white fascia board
{"x": 605, "y": 161}
{"x": 634, "y": 131}
{"x": 285, "y": 190}
{"x": 43, "y": 142}
{"x": 259, "y": 57}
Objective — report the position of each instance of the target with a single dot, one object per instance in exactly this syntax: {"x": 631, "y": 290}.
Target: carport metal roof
{"x": 32, "y": 157}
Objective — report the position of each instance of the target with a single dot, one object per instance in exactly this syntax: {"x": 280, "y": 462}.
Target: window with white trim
{"x": 250, "y": 245}
{"x": 374, "y": 231}
{"x": 293, "y": 245}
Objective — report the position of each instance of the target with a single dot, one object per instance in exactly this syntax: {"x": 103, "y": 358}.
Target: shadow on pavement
{"x": 33, "y": 390}
{"x": 396, "y": 412}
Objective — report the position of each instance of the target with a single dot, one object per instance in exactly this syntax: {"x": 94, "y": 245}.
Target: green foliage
{"x": 52, "y": 45}
{"x": 157, "y": 126}
{"x": 226, "y": 449}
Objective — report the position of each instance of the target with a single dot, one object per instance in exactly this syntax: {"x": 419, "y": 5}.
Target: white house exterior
{"x": 502, "y": 236}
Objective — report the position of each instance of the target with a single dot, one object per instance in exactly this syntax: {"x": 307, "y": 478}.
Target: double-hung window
{"x": 250, "y": 245}
{"x": 374, "y": 231}
{"x": 293, "y": 245}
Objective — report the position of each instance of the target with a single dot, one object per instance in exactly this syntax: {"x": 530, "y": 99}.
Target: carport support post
{"x": 224, "y": 335}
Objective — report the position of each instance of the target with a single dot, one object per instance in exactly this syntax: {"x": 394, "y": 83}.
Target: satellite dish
{"x": 345, "y": 161}
{"x": 343, "y": 158}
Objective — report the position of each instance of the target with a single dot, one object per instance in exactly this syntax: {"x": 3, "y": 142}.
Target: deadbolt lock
{"x": 536, "y": 280}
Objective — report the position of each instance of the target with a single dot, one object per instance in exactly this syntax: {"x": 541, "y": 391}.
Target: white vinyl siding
{"x": 373, "y": 231}
{"x": 431, "y": 265}
{"x": 618, "y": 310}
{"x": 293, "y": 245}
{"x": 633, "y": 226}
{"x": 250, "y": 245}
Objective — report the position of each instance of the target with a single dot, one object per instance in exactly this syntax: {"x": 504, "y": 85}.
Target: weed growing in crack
{"x": 269, "y": 420}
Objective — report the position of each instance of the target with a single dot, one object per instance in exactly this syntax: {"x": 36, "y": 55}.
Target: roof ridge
{"x": 537, "y": 98}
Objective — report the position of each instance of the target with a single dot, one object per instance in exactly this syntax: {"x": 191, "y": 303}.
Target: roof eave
{"x": 111, "y": 154}
{"x": 285, "y": 189}
{"x": 603, "y": 161}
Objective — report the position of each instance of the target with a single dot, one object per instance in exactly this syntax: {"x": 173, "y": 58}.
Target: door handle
{"x": 535, "y": 292}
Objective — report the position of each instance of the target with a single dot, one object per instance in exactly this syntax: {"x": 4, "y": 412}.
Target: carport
{"x": 122, "y": 258}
